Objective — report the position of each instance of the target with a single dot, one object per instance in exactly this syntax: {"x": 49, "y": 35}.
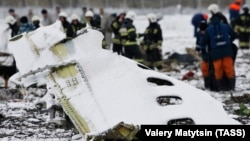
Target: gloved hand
{"x": 198, "y": 48}
{"x": 155, "y": 46}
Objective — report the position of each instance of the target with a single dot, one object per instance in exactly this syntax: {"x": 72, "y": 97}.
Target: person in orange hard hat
{"x": 234, "y": 11}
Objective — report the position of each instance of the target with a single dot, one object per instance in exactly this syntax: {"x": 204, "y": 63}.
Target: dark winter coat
{"x": 234, "y": 11}
{"x": 153, "y": 35}
{"x": 68, "y": 29}
{"x": 77, "y": 27}
{"x": 242, "y": 28}
{"x": 26, "y": 27}
{"x": 219, "y": 16}
{"x": 129, "y": 34}
{"x": 201, "y": 48}
{"x": 115, "y": 26}
{"x": 14, "y": 29}
{"x": 219, "y": 37}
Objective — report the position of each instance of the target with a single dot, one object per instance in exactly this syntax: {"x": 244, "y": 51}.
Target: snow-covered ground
{"x": 177, "y": 33}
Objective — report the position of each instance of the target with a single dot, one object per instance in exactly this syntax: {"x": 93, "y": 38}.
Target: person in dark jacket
{"x": 152, "y": 43}
{"x": 216, "y": 13}
{"x": 76, "y": 24}
{"x": 25, "y": 25}
{"x": 242, "y": 28}
{"x": 218, "y": 39}
{"x": 196, "y": 19}
{"x": 204, "y": 53}
{"x": 129, "y": 38}
{"x": 94, "y": 21}
{"x": 234, "y": 11}
{"x": 115, "y": 26}
{"x": 66, "y": 25}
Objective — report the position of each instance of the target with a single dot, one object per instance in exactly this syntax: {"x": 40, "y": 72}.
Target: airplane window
{"x": 169, "y": 100}
{"x": 181, "y": 121}
{"x": 159, "y": 81}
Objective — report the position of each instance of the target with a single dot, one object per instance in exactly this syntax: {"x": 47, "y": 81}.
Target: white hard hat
{"x": 89, "y": 14}
{"x": 245, "y": 6}
{"x": 214, "y": 8}
{"x": 35, "y": 18}
{"x": 62, "y": 14}
{"x": 152, "y": 18}
{"x": 159, "y": 16}
{"x": 10, "y": 20}
{"x": 74, "y": 17}
{"x": 130, "y": 15}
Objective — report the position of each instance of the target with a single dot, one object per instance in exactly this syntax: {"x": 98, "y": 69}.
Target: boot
{"x": 232, "y": 83}
{"x": 206, "y": 82}
{"x": 219, "y": 85}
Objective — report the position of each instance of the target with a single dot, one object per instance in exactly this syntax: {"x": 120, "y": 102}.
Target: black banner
{"x": 195, "y": 132}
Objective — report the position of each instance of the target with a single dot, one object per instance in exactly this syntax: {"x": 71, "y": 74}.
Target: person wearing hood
{"x": 218, "y": 40}
{"x": 152, "y": 43}
{"x": 66, "y": 25}
{"x": 195, "y": 21}
{"x": 129, "y": 38}
{"x": 25, "y": 25}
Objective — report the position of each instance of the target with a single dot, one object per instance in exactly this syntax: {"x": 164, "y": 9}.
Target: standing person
{"x": 234, "y": 11}
{"x": 94, "y": 21}
{"x": 11, "y": 21}
{"x": 129, "y": 38}
{"x": 116, "y": 40}
{"x": 152, "y": 42}
{"x": 35, "y": 21}
{"x": 218, "y": 38}
{"x": 242, "y": 28}
{"x": 208, "y": 84}
{"x": 46, "y": 19}
{"x": 83, "y": 18}
{"x": 30, "y": 15}
{"x": 216, "y": 13}
{"x": 196, "y": 19}
{"x": 89, "y": 15}
{"x": 58, "y": 11}
{"x": 25, "y": 25}
{"x": 66, "y": 25}
{"x": 12, "y": 13}
{"x": 105, "y": 25}
{"x": 76, "y": 24}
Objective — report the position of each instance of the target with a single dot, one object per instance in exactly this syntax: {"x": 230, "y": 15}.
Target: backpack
{"x": 219, "y": 35}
